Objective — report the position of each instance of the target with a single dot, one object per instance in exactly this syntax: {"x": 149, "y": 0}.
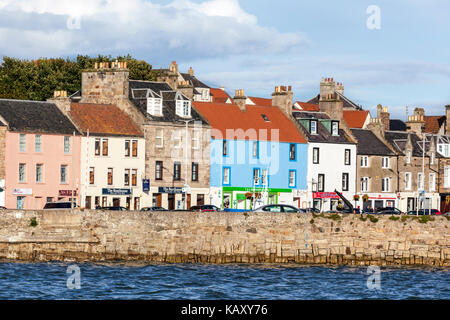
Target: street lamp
{"x": 186, "y": 163}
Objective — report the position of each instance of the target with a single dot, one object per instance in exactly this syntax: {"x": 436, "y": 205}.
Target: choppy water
{"x": 210, "y": 282}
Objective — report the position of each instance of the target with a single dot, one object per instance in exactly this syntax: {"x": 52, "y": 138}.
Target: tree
{"x": 38, "y": 79}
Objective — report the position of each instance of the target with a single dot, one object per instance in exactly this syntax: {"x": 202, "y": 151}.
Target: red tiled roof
{"x": 308, "y": 106}
{"x": 433, "y": 123}
{"x": 223, "y": 116}
{"x": 355, "y": 118}
{"x": 261, "y": 101}
{"x": 104, "y": 119}
{"x": 219, "y": 95}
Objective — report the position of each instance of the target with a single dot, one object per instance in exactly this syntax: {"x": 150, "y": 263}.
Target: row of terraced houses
{"x": 176, "y": 143}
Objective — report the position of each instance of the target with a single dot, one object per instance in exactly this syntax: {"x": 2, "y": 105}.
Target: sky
{"x": 394, "y": 53}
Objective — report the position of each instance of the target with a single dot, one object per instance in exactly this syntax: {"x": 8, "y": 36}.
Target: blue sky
{"x": 256, "y": 44}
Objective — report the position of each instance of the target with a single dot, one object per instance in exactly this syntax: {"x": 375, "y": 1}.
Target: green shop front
{"x": 250, "y": 198}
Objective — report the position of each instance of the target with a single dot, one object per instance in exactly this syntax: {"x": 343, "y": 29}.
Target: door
{"x": 116, "y": 202}
{"x": 128, "y": 203}
{"x": 171, "y": 201}
{"x": 136, "y": 204}
{"x": 20, "y": 202}
{"x": 378, "y": 204}
{"x": 88, "y": 202}
{"x": 200, "y": 199}
{"x": 188, "y": 206}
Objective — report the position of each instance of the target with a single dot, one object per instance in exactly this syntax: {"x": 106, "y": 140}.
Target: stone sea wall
{"x": 185, "y": 237}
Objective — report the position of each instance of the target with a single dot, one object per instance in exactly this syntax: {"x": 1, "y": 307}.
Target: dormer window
{"x": 313, "y": 128}
{"x": 335, "y": 128}
{"x": 154, "y": 106}
{"x": 183, "y": 108}
{"x": 205, "y": 95}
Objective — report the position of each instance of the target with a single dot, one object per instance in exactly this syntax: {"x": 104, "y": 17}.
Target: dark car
{"x": 205, "y": 208}
{"x": 114, "y": 208}
{"x": 154, "y": 209}
{"x": 2, "y": 208}
{"x": 388, "y": 210}
{"x": 312, "y": 210}
{"x": 422, "y": 212}
{"x": 59, "y": 205}
{"x": 278, "y": 208}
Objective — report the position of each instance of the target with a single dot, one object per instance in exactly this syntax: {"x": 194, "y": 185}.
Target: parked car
{"x": 205, "y": 208}
{"x": 278, "y": 208}
{"x": 388, "y": 210}
{"x": 422, "y": 212}
{"x": 114, "y": 208}
{"x": 59, "y": 205}
{"x": 2, "y": 208}
{"x": 312, "y": 210}
{"x": 154, "y": 209}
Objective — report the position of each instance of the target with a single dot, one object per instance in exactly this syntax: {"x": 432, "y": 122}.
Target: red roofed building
{"x": 304, "y": 106}
{"x": 220, "y": 96}
{"x": 356, "y": 119}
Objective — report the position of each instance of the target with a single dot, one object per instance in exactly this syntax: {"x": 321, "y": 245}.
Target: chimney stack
{"x": 385, "y": 118}
{"x": 61, "y": 100}
{"x": 416, "y": 122}
{"x": 191, "y": 72}
{"x": 283, "y": 98}
{"x": 240, "y": 99}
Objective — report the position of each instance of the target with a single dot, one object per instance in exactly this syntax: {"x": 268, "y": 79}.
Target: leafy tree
{"x": 37, "y": 79}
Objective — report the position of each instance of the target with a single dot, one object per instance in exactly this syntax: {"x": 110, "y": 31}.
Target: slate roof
{"x": 323, "y": 135}
{"x": 398, "y": 140}
{"x": 347, "y": 103}
{"x": 35, "y": 117}
{"x": 397, "y": 125}
{"x": 355, "y": 118}
{"x": 224, "y": 116}
{"x": 169, "y": 105}
{"x": 193, "y": 80}
{"x": 369, "y": 144}
{"x": 103, "y": 119}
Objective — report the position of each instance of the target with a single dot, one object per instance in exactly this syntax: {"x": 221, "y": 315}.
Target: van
{"x": 59, "y": 205}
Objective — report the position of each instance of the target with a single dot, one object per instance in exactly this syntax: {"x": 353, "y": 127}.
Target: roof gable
{"x": 355, "y": 118}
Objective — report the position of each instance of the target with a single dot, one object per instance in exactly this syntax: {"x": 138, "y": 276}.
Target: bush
{"x": 33, "y": 222}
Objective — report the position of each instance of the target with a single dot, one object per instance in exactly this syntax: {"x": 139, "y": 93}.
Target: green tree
{"x": 37, "y": 79}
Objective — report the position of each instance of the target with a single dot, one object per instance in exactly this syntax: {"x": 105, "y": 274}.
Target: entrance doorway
{"x": 171, "y": 201}
{"x": 87, "y": 204}
{"x": 116, "y": 202}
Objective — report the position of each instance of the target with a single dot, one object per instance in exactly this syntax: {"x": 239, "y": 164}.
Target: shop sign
{"x": 146, "y": 185}
{"x": 325, "y": 195}
{"x": 23, "y": 192}
{"x": 171, "y": 190}
{"x": 67, "y": 193}
{"x": 116, "y": 192}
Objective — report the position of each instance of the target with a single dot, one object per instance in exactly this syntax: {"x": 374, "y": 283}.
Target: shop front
{"x": 250, "y": 198}
{"x": 325, "y": 201}
{"x": 410, "y": 201}
{"x": 374, "y": 201}
{"x": 117, "y": 197}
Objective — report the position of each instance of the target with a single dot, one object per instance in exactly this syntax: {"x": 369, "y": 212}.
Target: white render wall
{"x": 332, "y": 165}
{"x": 116, "y": 159}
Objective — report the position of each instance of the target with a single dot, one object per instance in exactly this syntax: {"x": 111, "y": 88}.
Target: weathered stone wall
{"x": 223, "y": 238}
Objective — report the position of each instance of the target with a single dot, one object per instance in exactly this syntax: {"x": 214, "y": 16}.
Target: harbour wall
{"x": 187, "y": 237}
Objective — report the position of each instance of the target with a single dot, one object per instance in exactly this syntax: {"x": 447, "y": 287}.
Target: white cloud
{"x": 181, "y": 28}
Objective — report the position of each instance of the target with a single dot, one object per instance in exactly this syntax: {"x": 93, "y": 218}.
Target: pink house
{"x": 42, "y": 157}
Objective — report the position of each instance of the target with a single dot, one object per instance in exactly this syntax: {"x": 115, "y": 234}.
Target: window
{"x": 313, "y": 125}
{"x": 66, "y": 144}
{"x": 385, "y": 162}
{"x": 315, "y": 155}
{"x": 226, "y": 176}
{"x": 110, "y": 176}
{"x": 105, "y": 147}
{"x": 63, "y": 175}
{"x": 265, "y": 182}
{"x": 183, "y": 108}
{"x": 49, "y": 199}
{"x": 159, "y": 138}
{"x": 22, "y": 172}
{"x": 432, "y": 182}
{"x": 364, "y": 184}
{"x": 256, "y": 176}
{"x": 420, "y": 185}
{"x": 334, "y": 128}
{"x": 39, "y": 173}
{"x": 38, "y": 143}
{"x": 446, "y": 177}
{"x": 176, "y": 171}
{"x": 408, "y": 157}
{"x": 432, "y": 158}
{"x": 154, "y": 106}
{"x": 126, "y": 178}
{"x": 255, "y": 149}
{"x": 385, "y": 185}
{"x": 134, "y": 177}
{"x": 292, "y": 150}
{"x": 135, "y": 148}
{"x": 20, "y": 202}
{"x": 408, "y": 181}
{"x": 91, "y": 175}
{"x": 159, "y": 170}
{"x": 186, "y": 109}
{"x": 22, "y": 142}
{"x": 345, "y": 182}
{"x": 347, "y": 157}
{"x": 196, "y": 140}
{"x": 194, "y": 173}
{"x": 364, "y": 161}
{"x": 177, "y": 139}
{"x": 321, "y": 183}
{"x": 127, "y": 148}
{"x": 225, "y": 147}
{"x": 292, "y": 178}
{"x": 97, "y": 146}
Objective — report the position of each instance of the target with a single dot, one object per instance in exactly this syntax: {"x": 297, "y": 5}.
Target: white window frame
{"x": 264, "y": 177}
{"x": 316, "y": 155}
{"x": 364, "y": 184}
{"x": 432, "y": 182}
{"x": 226, "y": 175}
{"x": 39, "y": 173}
{"x": 159, "y": 137}
{"x": 22, "y": 142}
{"x": 292, "y": 178}
{"x": 38, "y": 143}
{"x": 256, "y": 177}
{"x": 177, "y": 140}
{"x": 420, "y": 181}
{"x": 61, "y": 176}
{"x": 66, "y": 144}
{"x": 196, "y": 140}
{"x": 335, "y": 128}
{"x": 385, "y": 162}
{"x": 364, "y": 161}
{"x": 408, "y": 157}
{"x": 385, "y": 184}
{"x": 22, "y": 172}
{"x": 408, "y": 181}
{"x": 432, "y": 156}
{"x": 313, "y": 122}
